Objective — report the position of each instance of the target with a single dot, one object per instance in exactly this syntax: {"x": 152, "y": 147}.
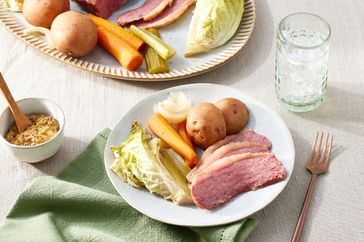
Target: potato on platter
{"x": 74, "y": 34}
{"x": 236, "y": 114}
{"x": 205, "y": 124}
{"x": 41, "y": 13}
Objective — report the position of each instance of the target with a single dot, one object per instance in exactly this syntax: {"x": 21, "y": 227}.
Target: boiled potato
{"x": 74, "y": 33}
{"x": 41, "y": 13}
{"x": 205, "y": 124}
{"x": 235, "y": 112}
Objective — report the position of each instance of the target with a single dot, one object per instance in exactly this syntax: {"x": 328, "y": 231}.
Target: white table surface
{"x": 92, "y": 103}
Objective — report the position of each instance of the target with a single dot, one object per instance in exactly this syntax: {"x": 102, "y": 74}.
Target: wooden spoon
{"x": 22, "y": 122}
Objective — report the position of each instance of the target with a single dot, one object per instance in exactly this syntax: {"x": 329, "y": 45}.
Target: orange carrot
{"x": 128, "y": 57}
{"x": 168, "y": 134}
{"x": 181, "y": 129}
{"x": 118, "y": 31}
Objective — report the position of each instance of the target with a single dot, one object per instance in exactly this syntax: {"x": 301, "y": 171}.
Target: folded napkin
{"x": 80, "y": 204}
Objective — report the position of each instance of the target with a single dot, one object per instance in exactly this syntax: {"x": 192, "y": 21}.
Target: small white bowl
{"x": 40, "y": 152}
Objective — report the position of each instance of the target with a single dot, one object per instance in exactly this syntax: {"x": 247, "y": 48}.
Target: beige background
{"x": 91, "y": 103}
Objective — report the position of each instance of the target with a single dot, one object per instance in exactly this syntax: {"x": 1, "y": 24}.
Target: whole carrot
{"x": 118, "y": 31}
{"x": 181, "y": 129}
{"x": 168, "y": 134}
{"x": 127, "y": 56}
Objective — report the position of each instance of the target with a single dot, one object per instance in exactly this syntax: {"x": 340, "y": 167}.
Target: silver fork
{"x": 317, "y": 164}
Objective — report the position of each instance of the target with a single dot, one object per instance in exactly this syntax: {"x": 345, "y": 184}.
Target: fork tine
{"x": 325, "y": 148}
{"x": 319, "y": 147}
{"x": 330, "y": 147}
{"x": 313, "y": 148}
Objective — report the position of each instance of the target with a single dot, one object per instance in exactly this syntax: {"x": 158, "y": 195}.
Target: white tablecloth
{"x": 92, "y": 102}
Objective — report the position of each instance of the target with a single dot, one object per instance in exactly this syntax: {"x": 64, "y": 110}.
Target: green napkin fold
{"x": 80, "y": 204}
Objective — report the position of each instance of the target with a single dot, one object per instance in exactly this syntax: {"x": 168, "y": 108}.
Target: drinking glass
{"x": 301, "y": 61}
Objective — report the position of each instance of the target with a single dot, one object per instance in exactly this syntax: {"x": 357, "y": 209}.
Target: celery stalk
{"x": 177, "y": 160}
{"x": 12, "y": 5}
{"x": 178, "y": 177}
{"x": 155, "y": 63}
{"x": 161, "y": 47}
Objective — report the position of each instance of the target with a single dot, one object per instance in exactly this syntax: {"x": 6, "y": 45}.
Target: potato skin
{"x": 236, "y": 114}
{"x": 74, "y": 33}
{"x": 205, "y": 124}
{"x": 41, "y": 13}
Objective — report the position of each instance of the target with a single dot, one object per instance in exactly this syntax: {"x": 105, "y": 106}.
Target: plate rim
{"x": 10, "y": 22}
{"x": 226, "y": 220}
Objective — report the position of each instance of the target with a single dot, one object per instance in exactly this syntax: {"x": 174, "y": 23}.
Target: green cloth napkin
{"x": 80, "y": 204}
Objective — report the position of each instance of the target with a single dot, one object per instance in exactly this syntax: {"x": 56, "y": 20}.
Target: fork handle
{"x": 302, "y": 218}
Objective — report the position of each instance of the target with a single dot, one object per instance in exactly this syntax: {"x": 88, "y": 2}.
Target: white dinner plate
{"x": 262, "y": 119}
{"x": 175, "y": 34}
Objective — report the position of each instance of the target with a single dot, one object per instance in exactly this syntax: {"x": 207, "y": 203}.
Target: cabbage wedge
{"x": 145, "y": 162}
{"x": 213, "y": 23}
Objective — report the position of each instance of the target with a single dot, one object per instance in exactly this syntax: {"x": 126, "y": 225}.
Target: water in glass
{"x": 301, "y": 66}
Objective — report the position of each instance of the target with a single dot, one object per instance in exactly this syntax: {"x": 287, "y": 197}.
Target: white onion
{"x": 36, "y": 31}
{"x": 174, "y": 108}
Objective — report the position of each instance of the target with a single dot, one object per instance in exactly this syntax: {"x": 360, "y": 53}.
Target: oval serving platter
{"x": 175, "y": 34}
{"x": 262, "y": 119}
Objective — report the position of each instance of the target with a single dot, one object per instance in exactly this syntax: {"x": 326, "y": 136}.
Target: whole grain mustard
{"x": 43, "y": 128}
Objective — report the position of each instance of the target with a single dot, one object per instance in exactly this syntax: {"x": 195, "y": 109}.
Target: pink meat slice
{"x": 229, "y": 149}
{"x": 168, "y": 16}
{"x": 232, "y": 175}
{"x": 149, "y": 10}
{"x": 101, "y": 8}
{"x": 247, "y": 135}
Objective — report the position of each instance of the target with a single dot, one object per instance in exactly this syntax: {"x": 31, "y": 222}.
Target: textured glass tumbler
{"x": 301, "y": 61}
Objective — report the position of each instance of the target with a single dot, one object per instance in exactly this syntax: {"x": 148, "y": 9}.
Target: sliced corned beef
{"x": 101, "y": 8}
{"x": 232, "y": 175}
{"x": 229, "y": 149}
{"x": 168, "y": 16}
{"x": 149, "y": 10}
{"x": 247, "y": 135}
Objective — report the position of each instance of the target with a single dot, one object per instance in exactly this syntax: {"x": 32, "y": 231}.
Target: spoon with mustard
{"x": 21, "y": 120}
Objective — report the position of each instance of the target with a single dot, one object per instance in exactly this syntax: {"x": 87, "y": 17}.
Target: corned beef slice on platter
{"x": 149, "y": 10}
